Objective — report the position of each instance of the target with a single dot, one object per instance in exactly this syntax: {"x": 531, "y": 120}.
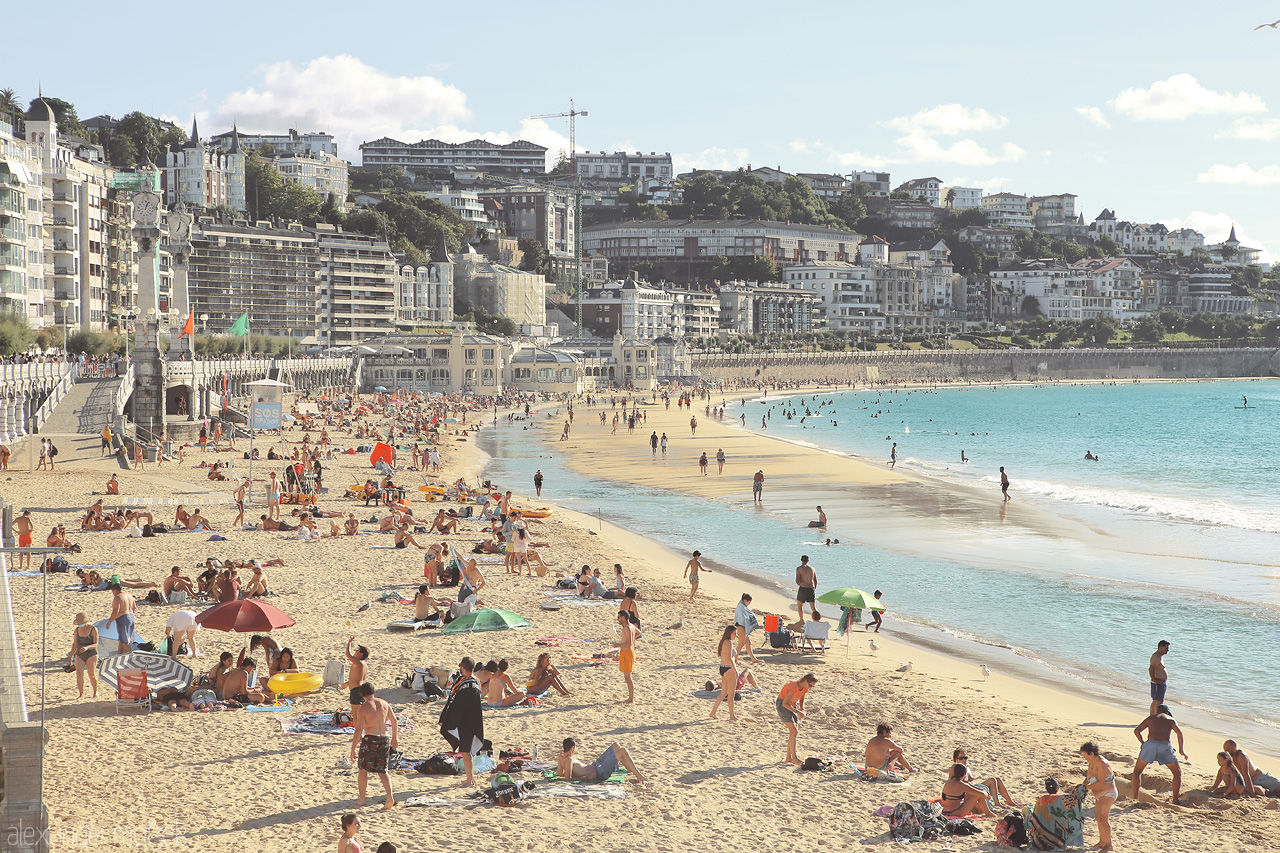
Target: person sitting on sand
{"x": 1261, "y": 783}
{"x": 884, "y": 758}
{"x": 569, "y": 767}
{"x": 207, "y": 580}
{"x": 544, "y": 677}
{"x": 444, "y": 524}
{"x": 113, "y": 485}
{"x": 404, "y": 537}
{"x": 994, "y": 786}
{"x": 274, "y": 525}
{"x": 351, "y": 526}
{"x": 228, "y": 587}
{"x": 270, "y": 646}
{"x": 426, "y": 607}
{"x": 177, "y": 582}
{"x": 218, "y": 675}
{"x": 215, "y": 472}
{"x": 499, "y": 689}
{"x": 962, "y": 798}
{"x": 257, "y": 583}
{"x": 58, "y": 538}
{"x": 284, "y": 662}
{"x": 236, "y": 686}
{"x": 181, "y": 517}
{"x": 1230, "y": 781}
{"x": 388, "y": 522}
{"x": 199, "y": 522}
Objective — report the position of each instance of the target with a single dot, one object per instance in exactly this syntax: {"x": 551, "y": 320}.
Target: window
{"x": 546, "y": 374}
{"x": 523, "y": 374}
{"x": 566, "y": 374}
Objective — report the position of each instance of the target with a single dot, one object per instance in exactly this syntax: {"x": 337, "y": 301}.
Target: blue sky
{"x": 1164, "y": 112}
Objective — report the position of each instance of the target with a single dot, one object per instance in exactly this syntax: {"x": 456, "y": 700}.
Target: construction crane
{"x": 572, "y": 115}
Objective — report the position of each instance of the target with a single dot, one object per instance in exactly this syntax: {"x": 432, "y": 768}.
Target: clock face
{"x": 146, "y": 207}
{"x": 179, "y": 228}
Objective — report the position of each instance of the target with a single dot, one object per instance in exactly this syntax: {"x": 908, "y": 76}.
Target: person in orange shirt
{"x": 790, "y": 706}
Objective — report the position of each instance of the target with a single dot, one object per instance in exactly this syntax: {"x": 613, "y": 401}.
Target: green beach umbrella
{"x": 851, "y": 597}
{"x": 488, "y": 619}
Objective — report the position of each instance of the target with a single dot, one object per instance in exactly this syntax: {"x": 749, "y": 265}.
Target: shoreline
{"x": 954, "y": 653}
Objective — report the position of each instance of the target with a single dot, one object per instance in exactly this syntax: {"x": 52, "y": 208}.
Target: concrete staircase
{"x": 85, "y": 410}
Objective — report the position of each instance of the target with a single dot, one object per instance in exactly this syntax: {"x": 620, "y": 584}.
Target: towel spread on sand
{"x": 287, "y": 705}
{"x": 617, "y": 778}
{"x": 540, "y": 789}
{"x": 711, "y": 694}
{"x": 321, "y": 723}
{"x": 565, "y": 596}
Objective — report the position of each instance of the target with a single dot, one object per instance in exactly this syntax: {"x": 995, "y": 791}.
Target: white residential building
{"x": 1007, "y": 210}
{"x": 621, "y": 167}
{"x": 282, "y": 144}
{"x": 1184, "y": 240}
{"x": 849, "y": 303}
{"x": 1057, "y": 289}
{"x": 878, "y": 183}
{"x": 324, "y": 173}
{"x": 965, "y": 198}
{"x": 928, "y": 190}
{"x": 357, "y": 286}
{"x": 1050, "y": 210}
{"x": 500, "y": 290}
{"x": 1000, "y": 242}
{"x": 933, "y": 259}
{"x": 465, "y": 203}
{"x": 22, "y": 204}
{"x": 826, "y": 187}
{"x": 424, "y": 294}
{"x": 634, "y": 309}
{"x": 516, "y": 157}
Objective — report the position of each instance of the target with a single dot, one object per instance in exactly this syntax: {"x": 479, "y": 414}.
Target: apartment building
{"x": 358, "y": 284}
{"x": 697, "y": 313}
{"x": 465, "y": 203}
{"x": 442, "y": 363}
{"x": 1007, "y": 210}
{"x": 878, "y": 184}
{"x": 933, "y": 258}
{"x": 620, "y": 167}
{"x": 431, "y": 155}
{"x": 424, "y": 294}
{"x": 22, "y": 280}
{"x": 544, "y": 214}
{"x": 1057, "y": 288}
{"x": 847, "y": 300}
{"x": 1000, "y": 242}
{"x": 500, "y": 290}
{"x": 631, "y": 308}
{"x": 680, "y": 248}
{"x": 826, "y": 187}
{"x": 928, "y": 190}
{"x": 1050, "y": 210}
{"x": 962, "y": 198}
{"x": 292, "y": 143}
{"x": 271, "y": 273}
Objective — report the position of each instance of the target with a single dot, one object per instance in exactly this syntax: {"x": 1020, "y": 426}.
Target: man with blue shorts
{"x": 123, "y": 608}
{"x": 599, "y": 770}
{"x": 1159, "y": 676}
{"x": 1156, "y": 749}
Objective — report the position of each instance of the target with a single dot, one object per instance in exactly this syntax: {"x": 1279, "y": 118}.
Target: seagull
{"x": 986, "y": 673}
{"x": 874, "y": 647}
{"x": 905, "y": 667}
{"x": 678, "y": 624}
{"x": 363, "y": 607}
{"x": 1261, "y": 26}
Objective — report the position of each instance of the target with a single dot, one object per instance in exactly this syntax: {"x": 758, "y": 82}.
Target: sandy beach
{"x": 232, "y": 781}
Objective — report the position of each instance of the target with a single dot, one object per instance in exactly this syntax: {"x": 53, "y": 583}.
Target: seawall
{"x": 963, "y": 366}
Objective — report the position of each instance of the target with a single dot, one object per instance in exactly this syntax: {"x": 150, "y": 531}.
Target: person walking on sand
{"x": 790, "y": 705}
{"x": 537, "y": 482}
{"x": 691, "y": 570}
{"x": 1004, "y": 483}
{"x": 702, "y": 463}
{"x": 663, "y": 443}
{"x": 693, "y": 425}
{"x": 1157, "y": 749}
{"x": 757, "y": 487}
{"x": 807, "y": 583}
{"x": 875, "y": 614}
{"x": 720, "y": 460}
{"x": 653, "y": 444}
{"x": 627, "y": 653}
{"x": 370, "y": 719}
{"x": 1159, "y": 675}
{"x": 239, "y": 495}
{"x": 893, "y": 456}
{"x": 728, "y": 672}
{"x": 462, "y": 718}
{"x": 123, "y": 608}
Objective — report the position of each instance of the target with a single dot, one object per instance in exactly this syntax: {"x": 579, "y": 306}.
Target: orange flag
{"x": 189, "y": 327}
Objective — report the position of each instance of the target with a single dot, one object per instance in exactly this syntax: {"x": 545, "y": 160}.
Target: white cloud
{"x": 1266, "y": 130}
{"x": 1241, "y": 174}
{"x": 948, "y": 120}
{"x": 1216, "y": 227}
{"x": 1094, "y": 115}
{"x": 1180, "y": 97}
{"x": 357, "y": 103}
{"x": 711, "y": 158}
{"x": 962, "y": 152}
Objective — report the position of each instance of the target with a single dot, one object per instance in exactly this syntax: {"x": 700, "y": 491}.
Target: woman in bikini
{"x": 544, "y": 676}
{"x": 1101, "y": 782}
{"x": 283, "y": 662}
{"x": 728, "y": 672}
{"x": 84, "y": 654}
{"x": 993, "y": 786}
{"x": 348, "y": 843}
{"x": 962, "y": 798}
{"x": 1228, "y": 778}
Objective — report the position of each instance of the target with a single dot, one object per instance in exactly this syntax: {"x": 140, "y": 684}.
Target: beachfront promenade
{"x": 961, "y": 366}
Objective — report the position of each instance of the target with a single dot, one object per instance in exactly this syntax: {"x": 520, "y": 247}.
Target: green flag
{"x": 241, "y": 325}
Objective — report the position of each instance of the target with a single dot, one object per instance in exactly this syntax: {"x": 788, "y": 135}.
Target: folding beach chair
{"x": 132, "y": 691}
{"x": 815, "y": 632}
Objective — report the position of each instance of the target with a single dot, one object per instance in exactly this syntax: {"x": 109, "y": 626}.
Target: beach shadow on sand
{"x": 696, "y": 776}
{"x": 285, "y": 817}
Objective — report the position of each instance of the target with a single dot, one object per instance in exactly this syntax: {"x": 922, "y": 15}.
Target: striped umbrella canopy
{"x": 162, "y": 670}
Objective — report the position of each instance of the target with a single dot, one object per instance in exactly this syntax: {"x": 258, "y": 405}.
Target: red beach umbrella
{"x": 245, "y": 616}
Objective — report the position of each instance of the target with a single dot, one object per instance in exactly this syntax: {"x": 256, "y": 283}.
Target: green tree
{"x": 1108, "y": 246}
{"x": 1271, "y": 332}
{"x": 755, "y": 268}
{"x": 262, "y": 184}
{"x": 969, "y": 259}
{"x": 901, "y": 195}
{"x": 645, "y": 270}
{"x": 1173, "y": 321}
{"x": 412, "y": 254}
{"x": 951, "y": 198}
{"x": 15, "y": 334}
{"x": 11, "y": 106}
{"x": 534, "y": 254}
{"x": 141, "y": 130}
{"x": 122, "y": 153}
{"x": 971, "y": 216}
{"x": 330, "y": 212}
{"x": 173, "y": 136}
{"x": 1099, "y": 330}
{"x": 1148, "y": 329}
{"x": 1030, "y": 306}
{"x": 849, "y": 209}
{"x": 562, "y": 166}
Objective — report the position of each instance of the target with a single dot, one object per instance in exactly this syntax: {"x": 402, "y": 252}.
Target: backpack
{"x": 439, "y": 764}
{"x": 57, "y": 564}
{"x": 342, "y": 719}
{"x": 813, "y": 762}
{"x": 506, "y": 791}
{"x": 416, "y": 680}
{"x": 53, "y": 449}
{"x": 1010, "y": 831}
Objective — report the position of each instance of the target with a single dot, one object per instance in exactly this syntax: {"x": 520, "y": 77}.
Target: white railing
{"x": 125, "y": 389}
{"x": 12, "y": 373}
{"x": 59, "y": 391}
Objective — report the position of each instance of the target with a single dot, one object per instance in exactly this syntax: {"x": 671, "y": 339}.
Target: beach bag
{"x": 342, "y": 719}
{"x": 567, "y": 583}
{"x": 964, "y": 826}
{"x": 780, "y": 640}
{"x": 813, "y": 762}
{"x": 439, "y": 764}
{"x": 416, "y": 680}
{"x": 506, "y": 791}
{"x": 53, "y": 449}
{"x": 57, "y": 564}
{"x": 1010, "y": 831}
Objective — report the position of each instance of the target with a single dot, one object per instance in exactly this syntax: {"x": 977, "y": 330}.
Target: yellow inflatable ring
{"x": 541, "y": 512}
{"x": 291, "y": 683}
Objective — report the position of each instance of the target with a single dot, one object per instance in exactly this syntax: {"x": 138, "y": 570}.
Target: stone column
{"x": 180, "y": 254}
{"x": 5, "y": 438}
{"x": 149, "y": 373}
{"x": 20, "y": 415}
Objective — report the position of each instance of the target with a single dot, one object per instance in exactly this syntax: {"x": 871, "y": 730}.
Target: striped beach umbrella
{"x": 162, "y": 670}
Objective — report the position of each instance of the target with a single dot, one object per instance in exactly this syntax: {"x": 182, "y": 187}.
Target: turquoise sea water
{"x": 1172, "y": 534}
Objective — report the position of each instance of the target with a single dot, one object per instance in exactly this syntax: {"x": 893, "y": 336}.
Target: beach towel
{"x": 321, "y": 723}
{"x": 574, "y": 600}
{"x": 285, "y": 705}
{"x": 1056, "y": 821}
{"x": 743, "y": 616}
{"x": 461, "y": 719}
{"x": 412, "y": 625}
{"x": 712, "y": 694}
{"x": 616, "y": 778}
{"x": 35, "y": 575}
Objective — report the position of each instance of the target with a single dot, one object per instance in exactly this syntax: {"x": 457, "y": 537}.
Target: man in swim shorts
{"x": 371, "y": 719}
{"x": 807, "y": 583}
{"x": 1157, "y": 749}
{"x": 25, "y": 528}
{"x": 1261, "y": 784}
{"x": 757, "y": 487}
{"x": 123, "y": 608}
{"x": 627, "y": 653}
{"x": 599, "y": 770}
{"x": 1159, "y": 676}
